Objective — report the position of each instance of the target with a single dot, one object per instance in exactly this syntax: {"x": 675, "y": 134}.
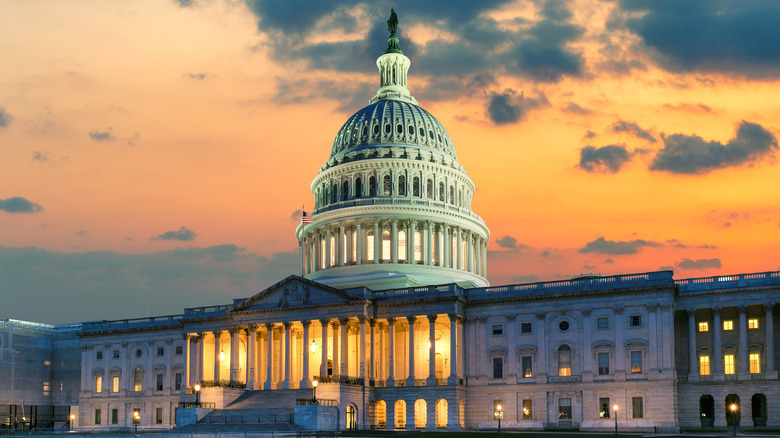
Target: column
{"x": 305, "y": 373}
{"x": 692, "y": 365}
{"x": 187, "y": 359}
{"x": 453, "y": 379}
{"x": 217, "y": 350}
{"x": 410, "y": 378}
{"x": 391, "y": 353}
{"x": 432, "y": 350}
{"x": 336, "y": 358}
{"x": 343, "y": 348}
{"x": 286, "y": 355}
{"x": 394, "y": 240}
{"x": 667, "y": 311}
{"x": 717, "y": 345}
{"x": 744, "y": 364}
{"x": 317, "y": 251}
{"x": 460, "y": 249}
{"x": 410, "y": 242}
{"x": 341, "y": 247}
{"x": 653, "y": 360}
{"x": 234, "y": 334}
{"x": 362, "y": 349}
{"x": 201, "y": 365}
{"x": 327, "y": 248}
{"x": 769, "y": 349}
{"x": 429, "y": 246}
{"x": 620, "y": 348}
{"x": 379, "y": 355}
{"x": 447, "y": 247}
{"x": 511, "y": 366}
{"x": 371, "y": 360}
{"x": 440, "y": 237}
{"x": 470, "y": 249}
{"x": 358, "y": 244}
{"x": 484, "y": 258}
{"x": 269, "y": 384}
{"x": 324, "y": 365}
{"x": 300, "y": 254}
{"x": 251, "y": 340}
{"x": 377, "y": 245}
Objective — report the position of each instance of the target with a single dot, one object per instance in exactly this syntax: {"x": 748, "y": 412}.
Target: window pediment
{"x": 526, "y": 349}
{"x": 636, "y": 344}
{"x": 497, "y": 351}
{"x": 159, "y": 368}
{"x": 97, "y": 372}
{"x": 115, "y": 371}
{"x": 603, "y": 345}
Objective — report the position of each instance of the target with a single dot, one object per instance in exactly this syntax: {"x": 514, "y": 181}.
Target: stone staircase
{"x": 256, "y": 410}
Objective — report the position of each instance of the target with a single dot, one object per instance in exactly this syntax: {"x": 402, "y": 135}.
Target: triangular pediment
{"x": 295, "y": 291}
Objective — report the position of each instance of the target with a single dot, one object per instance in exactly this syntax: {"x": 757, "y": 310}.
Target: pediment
{"x": 295, "y": 291}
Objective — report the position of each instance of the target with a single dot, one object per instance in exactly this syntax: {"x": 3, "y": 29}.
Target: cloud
{"x": 296, "y": 215}
{"x": 725, "y": 219}
{"x": 524, "y": 279}
{"x": 81, "y": 233}
{"x": 573, "y": 108}
{"x": 611, "y": 247}
{"x": 510, "y": 243}
{"x": 185, "y": 3}
{"x": 5, "y": 118}
{"x": 18, "y": 204}
{"x": 625, "y": 126}
{"x": 46, "y": 157}
{"x": 687, "y": 107}
{"x": 699, "y": 264}
{"x": 590, "y": 134}
{"x": 546, "y": 254}
{"x": 609, "y": 261}
{"x": 691, "y": 154}
{"x": 717, "y": 36}
{"x": 198, "y": 76}
{"x": 106, "y": 135}
{"x": 507, "y": 107}
{"x": 183, "y": 234}
{"x": 603, "y": 159}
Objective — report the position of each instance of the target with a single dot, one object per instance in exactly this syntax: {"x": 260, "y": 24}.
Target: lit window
{"x": 755, "y": 363}
{"x": 526, "y": 328}
{"x": 498, "y": 368}
{"x": 635, "y": 321}
{"x": 728, "y": 324}
{"x": 704, "y": 326}
{"x": 138, "y": 380}
{"x": 753, "y": 323}
{"x": 704, "y": 365}
{"x": 637, "y": 407}
{"x": 528, "y": 409}
{"x": 401, "y": 239}
{"x": 602, "y": 323}
{"x": 385, "y": 245}
{"x": 728, "y": 363}
{"x": 603, "y": 407}
{"x": 564, "y": 361}
{"x": 115, "y": 384}
{"x": 98, "y": 384}
{"x": 498, "y": 329}
{"x": 603, "y": 359}
{"x": 636, "y": 362}
{"x": 370, "y": 246}
{"x": 526, "y": 365}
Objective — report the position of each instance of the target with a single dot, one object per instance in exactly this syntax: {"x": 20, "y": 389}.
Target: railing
{"x": 136, "y": 393}
{"x": 564, "y": 379}
{"x": 757, "y": 376}
{"x": 732, "y": 377}
{"x": 347, "y": 380}
{"x": 564, "y": 423}
{"x": 682, "y": 379}
{"x": 223, "y": 384}
{"x": 400, "y": 383}
{"x": 729, "y": 281}
{"x": 203, "y": 405}
{"x": 154, "y": 321}
{"x": 384, "y": 200}
{"x": 313, "y": 434}
{"x": 379, "y": 383}
{"x": 445, "y": 289}
{"x": 420, "y": 382}
{"x": 705, "y": 378}
{"x": 197, "y": 311}
{"x": 319, "y": 401}
{"x": 441, "y": 382}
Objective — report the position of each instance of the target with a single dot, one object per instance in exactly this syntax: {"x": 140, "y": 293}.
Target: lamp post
{"x": 499, "y": 414}
{"x": 197, "y": 394}
{"x": 615, "y": 408}
{"x": 314, "y": 386}
{"x": 734, "y": 417}
{"x": 70, "y": 424}
{"x": 136, "y": 420}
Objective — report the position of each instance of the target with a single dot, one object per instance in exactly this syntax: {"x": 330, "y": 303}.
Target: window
{"x": 114, "y": 383}
{"x": 386, "y": 186}
{"x": 635, "y": 321}
{"x": 498, "y": 406}
{"x": 401, "y": 239}
{"x": 498, "y": 329}
{"x": 452, "y": 195}
{"x": 564, "y": 361}
{"x": 159, "y": 382}
{"x": 728, "y": 363}
{"x": 563, "y": 325}
{"x": 441, "y": 191}
{"x": 160, "y": 351}
{"x": 526, "y": 328}
{"x": 358, "y": 187}
{"x": 429, "y": 189}
{"x": 602, "y": 323}
{"x": 97, "y": 417}
{"x": 177, "y": 380}
{"x": 345, "y": 190}
{"x": 98, "y": 384}
{"x": 564, "y": 409}
{"x": 114, "y": 416}
{"x": 528, "y": 409}
{"x": 116, "y": 354}
{"x": 401, "y": 185}
{"x": 372, "y": 186}
{"x": 637, "y": 407}
{"x": 138, "y": 353}
{"x": 728, "y": 324}
{"x": 526, "y": 366}
{"x": 416, "y": 186}
{"x": 498, "y": 367}
{"x": 636, "y": 362}
{"x": 334, "y": 194}
{"x": 753, "y": 323}
{"x": 704, "y": 365}
{"x": 603, "y": 407}
{"x": 158, "y": 416}
{"x": 136, "y": 415}
{"x": 603, "y": 359}
{"x": 704, "y": 326}
{"x": 179, "y": 350}
{"x": 99, "y": 355}
{"x": 755, "y": 363}
{"x": 138, "y": 379}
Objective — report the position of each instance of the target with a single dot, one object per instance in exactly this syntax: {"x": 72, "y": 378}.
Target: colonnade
{"x": 423, "y": 242}
{"x": 290, "y": 364}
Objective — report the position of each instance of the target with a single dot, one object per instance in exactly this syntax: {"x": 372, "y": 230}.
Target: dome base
{"x": 394, "y": 276}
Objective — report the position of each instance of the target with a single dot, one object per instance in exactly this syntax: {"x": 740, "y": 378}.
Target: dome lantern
{"x": 393, "y": 67}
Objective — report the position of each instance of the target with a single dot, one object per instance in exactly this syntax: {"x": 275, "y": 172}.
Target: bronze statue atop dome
{"x": 392, "y": 41}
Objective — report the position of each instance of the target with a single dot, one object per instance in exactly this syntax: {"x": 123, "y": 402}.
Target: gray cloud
{"x": 198, "y": 76}
{"x": 699, "y": 264}
{"x": 185, "y": 3}
{"x": 604, "y": 159}
{"x": 183, "y": 234}
{"x": 46, "y": 157}
{"x": 603, "y": 246}
{"x": 5, "y": 118}
{"x": 625, "y": 126}
{"x": 509, "y": 107}
{"x": 573, "y": 108}
{"x": 81, "y": 233}
{"x": 509, "y": 242}
{"x": 691, "y": 154}
{"x": 296, "y": 215}
{"x": 18, "y": 204}
{"x": 106, "y": 135}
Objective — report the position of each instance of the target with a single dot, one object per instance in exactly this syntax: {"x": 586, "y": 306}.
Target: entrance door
{"x": 351, "y": 417}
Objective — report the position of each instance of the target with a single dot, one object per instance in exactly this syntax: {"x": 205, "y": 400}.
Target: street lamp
{"x": 197, "y": 394}
{"x": 615, "y": 409}
{"x": 734, "y": 417}
{"x": 314, "y": 385}
{"x": 499, "y": 414}
{"x": 136, "y": 420}
{"x": 72, "y": 417}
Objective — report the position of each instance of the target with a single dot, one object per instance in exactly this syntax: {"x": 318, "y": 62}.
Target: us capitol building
{"x": 392, "y": 316}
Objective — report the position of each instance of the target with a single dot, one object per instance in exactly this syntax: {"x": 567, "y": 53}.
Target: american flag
{"x": 306, "y": 219}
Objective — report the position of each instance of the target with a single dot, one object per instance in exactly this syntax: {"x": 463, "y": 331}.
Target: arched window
{"x": 452, "y": 195}
{"x": 401, "y": 185}
{"x": 429, "y": 188}
{"x": 416, "y": 186}
{"x": 326, "y": 196}
{"x": 387, "y": 186}
{"x": 372, "y": 186}
{"x": 564, "y": 360}
{"x": 401, "y": 245}
{"x": 441, "y": 191}
{"x": 345, "y": 190}
{"x": 334, "y": 194}
{"x": 138, "y": 379}
{"x": 400, "y": 414}
{"x": 370, "y": 246}
{"x": 385, "y": 245}
{"x": 358, "y": 187}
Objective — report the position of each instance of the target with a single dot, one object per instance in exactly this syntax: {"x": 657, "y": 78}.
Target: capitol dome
{"x": 392, "y": 205}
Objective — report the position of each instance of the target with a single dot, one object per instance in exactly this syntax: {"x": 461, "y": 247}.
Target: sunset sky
{"x": 155, "y": 154}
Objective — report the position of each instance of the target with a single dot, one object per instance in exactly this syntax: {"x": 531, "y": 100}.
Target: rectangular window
{"x": 636, "y": 362}
{"x": 498, "y": 329}
{"x": 528, "y": 409}
{"x": 158, "y": 417}
{"x": 728, "y": 363}
{"x": 728, "y": 325}
{"x": 755, "y": 363}
{"x": 179, "y": 350}
{"x": 704, "y": 365}
{"x": 526, "y": 328}
{"x": 564, "y": 409}
{"x": 114, "y": 383}
{"x": 116, "y": 354}
{"x": 635, "y": 321}
{"x": 160, "y": 351}
{"x": 704, "y": 326}
{"x": 115, "y": 416}
{"x": 99, "y": 355}
{"x": 97, "y": 417}
{"x": 98, "y": 384}
{"x": 753, "y": 323}
{"x": 603, "y": 407}
{"x": 498, "y": 367}
{"x": 564, "y": 361}
{"x": 136, "y": 415}
{"x": 177, "y": 381}
{"x": 159, "y": 382}
{"x": 526, "y": 362}
{"x": 603, "y": 364}
{"x": 637, "y": 407}
{"x": 602, "y": 323}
